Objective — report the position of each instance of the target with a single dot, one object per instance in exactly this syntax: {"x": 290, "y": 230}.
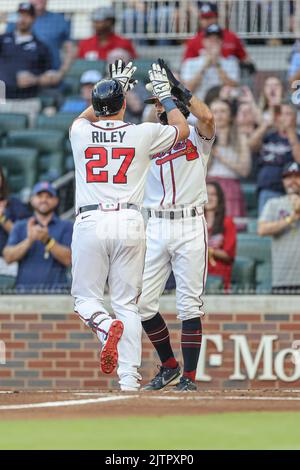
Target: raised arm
{"x": 205, "y": 119}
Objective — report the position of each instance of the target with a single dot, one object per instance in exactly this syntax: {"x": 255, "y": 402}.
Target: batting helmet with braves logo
{"x": 107, "y": 97}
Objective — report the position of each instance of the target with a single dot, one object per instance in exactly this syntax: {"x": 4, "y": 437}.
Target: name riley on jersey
{"x": 100, "y": 137}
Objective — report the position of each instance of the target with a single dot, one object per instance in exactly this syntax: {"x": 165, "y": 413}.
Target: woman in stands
{"x": 11, "y": 209}
{"x": 221, "y": 235}
{"x": 271, "y": 97}
{"x": 230, "y": 159}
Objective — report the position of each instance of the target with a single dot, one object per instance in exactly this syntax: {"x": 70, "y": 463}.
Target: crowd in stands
{"x": 257, "y": 143}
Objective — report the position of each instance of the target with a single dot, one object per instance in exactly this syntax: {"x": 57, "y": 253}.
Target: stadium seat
{"x": 143, "y": 65}
{"x": 257, "y": 249}
{"x": 243, "y": 275}
{"x": 20, "y": 167}
{"x": 12, "y": 121}
{"x": 60, "y": 121}
{"x": 249, "y": 191}
{"x": 7, "y": 283}
{"x": 49, "y": 144}
{"x": 214, "y": 285}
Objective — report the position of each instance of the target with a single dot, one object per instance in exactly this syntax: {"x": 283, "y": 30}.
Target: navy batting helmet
{"x": 107, "y": 97}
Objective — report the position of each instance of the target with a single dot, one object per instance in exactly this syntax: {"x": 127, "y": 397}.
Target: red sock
{"x": 191, "y": 375}
{"x": 171, "y": 363}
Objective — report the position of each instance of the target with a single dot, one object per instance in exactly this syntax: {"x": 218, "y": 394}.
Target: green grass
{"x": 217, "y": 431}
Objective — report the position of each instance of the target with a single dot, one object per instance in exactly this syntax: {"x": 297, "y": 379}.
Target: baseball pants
{"x": 110, "y": 247}
{"x": 178, "y": 245}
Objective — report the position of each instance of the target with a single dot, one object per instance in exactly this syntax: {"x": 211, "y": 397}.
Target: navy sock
{"x": 191, "y": 337}
{"x": 158, "y": 333}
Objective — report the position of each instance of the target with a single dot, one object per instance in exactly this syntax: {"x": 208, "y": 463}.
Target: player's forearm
{"x": 89, "y": 114}
{"x": 176, "y": 118}
{"x": 206, "y": 122}
{"x": 17, "y": 252}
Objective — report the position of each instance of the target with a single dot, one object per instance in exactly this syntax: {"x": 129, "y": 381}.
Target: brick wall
{"x": 47, "y": 346}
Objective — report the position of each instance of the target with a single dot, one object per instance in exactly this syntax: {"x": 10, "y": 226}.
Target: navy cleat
{"x": 185, "y": 385}
{"x": 166, "y": 376}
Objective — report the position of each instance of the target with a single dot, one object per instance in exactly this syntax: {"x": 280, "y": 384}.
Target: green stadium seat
{"x": 69, "y": 163}
{"x": 143, "y": 65}
{"x": 20, "y": 165}
{"x": 50, "y": 145}
{"x": 214, "y": 284}
{"x": 12, "y": 121}
{"x": 60, "y": 121}
{"x": 243, "y": 275}
{"x": 258, "y": 249}
{"x": 249, "y": 191}
{"x": 7, "y": 283}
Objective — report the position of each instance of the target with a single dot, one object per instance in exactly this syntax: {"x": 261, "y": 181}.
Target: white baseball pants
{"x": 110, "y": 247}
{"x": 178, "y": 245}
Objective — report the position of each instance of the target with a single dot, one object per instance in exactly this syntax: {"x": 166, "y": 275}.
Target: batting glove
{"x": 177, "y": 88}
{"x": 123, "y": 73}
{"x": 160, "y": 83}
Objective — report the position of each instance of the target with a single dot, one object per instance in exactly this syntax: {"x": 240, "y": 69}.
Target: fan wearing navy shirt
{"x": 278, "y": 144}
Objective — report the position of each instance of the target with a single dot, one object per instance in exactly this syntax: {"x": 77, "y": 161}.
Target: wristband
{"x": 50, "y": 244}
{"x": 168, "y": 104}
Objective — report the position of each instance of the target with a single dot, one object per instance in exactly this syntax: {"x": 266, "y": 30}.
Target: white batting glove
{"x": 160, "y": 83}
{"x": 123, "y": 73}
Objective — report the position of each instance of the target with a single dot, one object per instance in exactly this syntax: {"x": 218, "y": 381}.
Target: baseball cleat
{"x": 166, "y": 376}
{"x": 185, "y": 385}
{"x": 109, "y": 353}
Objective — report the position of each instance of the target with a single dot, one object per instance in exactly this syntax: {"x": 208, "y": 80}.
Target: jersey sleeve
{"x": 76, "y": 127}
{"x": 203, "y": 144}
{"x": 163, "y": 137}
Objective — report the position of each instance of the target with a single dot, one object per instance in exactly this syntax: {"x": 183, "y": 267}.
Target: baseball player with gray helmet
{"x": 112, "y": 159}
{"x": 177, "y": 238}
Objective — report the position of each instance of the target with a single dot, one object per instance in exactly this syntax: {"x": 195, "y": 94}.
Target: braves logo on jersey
{"x": 183, "y": 148}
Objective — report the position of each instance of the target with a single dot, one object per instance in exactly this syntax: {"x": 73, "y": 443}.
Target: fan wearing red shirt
{"x": 221, "y": 235}
{"x": 232, "y": 45}
{"x": 105, "y": 40}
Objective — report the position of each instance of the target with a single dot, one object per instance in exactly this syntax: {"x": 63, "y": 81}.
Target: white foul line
{"x": 56, "y": 404}
{"x": 227, "y": 398}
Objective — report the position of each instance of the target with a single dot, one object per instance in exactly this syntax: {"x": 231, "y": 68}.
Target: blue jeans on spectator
{"x": 264, "y": 196}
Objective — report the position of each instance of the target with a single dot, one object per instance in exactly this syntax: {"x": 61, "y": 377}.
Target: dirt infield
{"x": 62, "y": 404}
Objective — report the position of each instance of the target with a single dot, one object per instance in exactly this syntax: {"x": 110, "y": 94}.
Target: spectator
{"x": 231, "y": 43}
{"x": 87, "y": 81}
{"x": 280, "y": 219}
{"x": 210, "y": 69}
{"x": 41, "y": 244}
{"x": 276, "y": 147}
{"x": 11, "y": 210}
{"x": 105, "y": 40}
{"x": 25, "y": 65}
{"x": 54, "y": 31}
{"x": 230, "y": 158}
{"x": 221, "y": 235}
{"x": 272, "y": 96}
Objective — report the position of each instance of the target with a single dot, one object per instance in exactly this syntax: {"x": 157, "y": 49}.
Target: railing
{"x": 179, "y": 19}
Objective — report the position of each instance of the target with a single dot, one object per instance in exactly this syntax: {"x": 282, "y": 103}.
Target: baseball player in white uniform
{"x": 177, "y": 240}
{"x": 112, "y": 158}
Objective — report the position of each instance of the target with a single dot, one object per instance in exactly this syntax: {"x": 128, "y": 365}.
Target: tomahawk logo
{"x": 246, "y": 364}
{"x": 2, "y": 353}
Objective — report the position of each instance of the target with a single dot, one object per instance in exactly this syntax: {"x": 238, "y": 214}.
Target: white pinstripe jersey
{"x": 112, "y": 159}
{"x": 177, "y": 177}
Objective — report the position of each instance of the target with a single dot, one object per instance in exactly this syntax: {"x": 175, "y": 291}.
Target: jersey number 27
{"x": 94, "y": 164}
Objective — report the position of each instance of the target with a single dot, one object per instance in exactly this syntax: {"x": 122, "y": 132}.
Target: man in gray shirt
{"x": 280, "y": 219}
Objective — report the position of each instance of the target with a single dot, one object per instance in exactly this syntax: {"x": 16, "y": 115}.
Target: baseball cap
{"x": 213, "y": 29}
{"x": 90, "y": 77}
{"x": 42, "y": 187}
{"x": 26, "y": 7}
{"x": 292, "y": 168}
{"x": 208, "y": 10}
{"x": 104, "y": 13}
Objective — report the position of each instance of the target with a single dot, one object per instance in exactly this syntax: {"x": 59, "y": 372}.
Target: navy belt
{"x": 108, "y": 207}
